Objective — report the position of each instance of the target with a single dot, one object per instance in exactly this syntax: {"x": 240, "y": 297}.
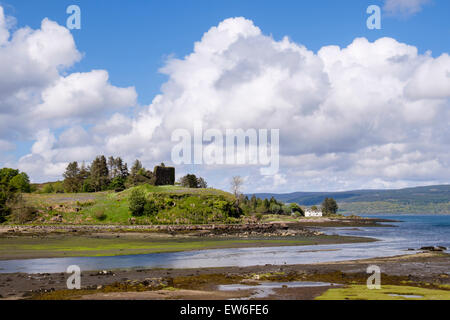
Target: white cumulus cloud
{"x": 367, "y": 115}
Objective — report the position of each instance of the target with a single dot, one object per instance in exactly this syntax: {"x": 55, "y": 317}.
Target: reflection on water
{"x": 265, "y": 289}
{"x": 414, "y": 232}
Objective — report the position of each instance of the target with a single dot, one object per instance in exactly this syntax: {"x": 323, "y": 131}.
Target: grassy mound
{"x": 175, "y": 205}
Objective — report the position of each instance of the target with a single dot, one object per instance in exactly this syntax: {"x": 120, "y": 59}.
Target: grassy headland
{"x": 178, "y": 205}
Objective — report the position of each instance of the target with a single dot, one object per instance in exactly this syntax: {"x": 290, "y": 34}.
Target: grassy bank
{"x": 176, "y": 205}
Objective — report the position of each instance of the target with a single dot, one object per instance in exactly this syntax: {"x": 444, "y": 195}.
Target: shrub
{"x": 23, "y": 215}
{"x": 48, "y": 188}
{"x": 117, "y": 184}
{"x": 137, "y": 202}
{"x": 150, "y": 208}
{"x": 87, "y": 186}
{"x": 100, "y": 215}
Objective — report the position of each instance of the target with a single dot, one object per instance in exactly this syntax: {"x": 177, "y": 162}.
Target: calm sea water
{"x": 414, "y": 231}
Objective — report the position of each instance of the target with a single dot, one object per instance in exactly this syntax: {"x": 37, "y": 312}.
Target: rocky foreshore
{"x": 303, "y": 227}
{"x": 266, "y": 229}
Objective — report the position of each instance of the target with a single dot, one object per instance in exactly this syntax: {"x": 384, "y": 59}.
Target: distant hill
{"x": 430, "y": 199}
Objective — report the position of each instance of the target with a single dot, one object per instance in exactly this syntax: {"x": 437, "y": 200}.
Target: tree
{"x": 266, "y": 205}
{"x": 72, "y": 182}
{"x": 253, "y": 202}
{"x": 11, "y": 183}
{"x": 236, "y": 185}
{"x": 137, "y": 165}
{"x": 99, "y": 173}
{"x": 117, "y": 168}
{"x": 275, "y": 208}
{"x": 21, "y": 182}
{"x": 139, "y": 174}
{"x": 6, "y": 195}
{"x": 202, "y": 183}
{"x": 121, "y": 167}
{"x": 112, "y": 167}
{"x": 6, "y": 174}
{"x": 329, "y": 206}
{"x": 296, "y": 209}
{"x": 189, "y": 181}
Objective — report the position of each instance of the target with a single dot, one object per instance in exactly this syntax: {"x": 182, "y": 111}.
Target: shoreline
{"x": 202, "y": 283}
{"x": 60, "y": 241}
{"x": 401, "y": 271}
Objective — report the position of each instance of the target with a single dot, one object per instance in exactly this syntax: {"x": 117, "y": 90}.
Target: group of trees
{"x": 101, "y": 174}
{"x": 104, "y": 174}
{"x": 273, "y": 206}
{"x": 12, "y": 183}
{"x": 268, "y": 206}
{"x": 192, "y": 181}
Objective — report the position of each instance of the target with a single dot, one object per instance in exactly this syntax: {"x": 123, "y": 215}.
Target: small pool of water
{"x": 409, "y": 296}
{"x": 266, "y": 289}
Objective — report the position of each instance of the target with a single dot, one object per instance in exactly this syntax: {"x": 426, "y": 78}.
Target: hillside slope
{"x": 430, "y": 199}
{"x": 175, "y": 205}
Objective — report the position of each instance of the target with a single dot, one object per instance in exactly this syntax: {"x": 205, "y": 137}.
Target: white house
{"x": 313, "y": 213}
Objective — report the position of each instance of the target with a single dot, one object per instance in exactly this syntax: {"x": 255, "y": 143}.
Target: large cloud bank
{"x": 368, "y": 115}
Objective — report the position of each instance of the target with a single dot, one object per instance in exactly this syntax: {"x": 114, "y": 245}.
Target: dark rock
{"x": 435, "y": 249}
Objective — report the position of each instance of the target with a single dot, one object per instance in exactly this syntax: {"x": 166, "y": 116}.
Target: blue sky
{"x": 133, "y": 40}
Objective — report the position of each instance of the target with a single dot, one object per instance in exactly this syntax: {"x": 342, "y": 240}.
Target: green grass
{"x": 389, "y": 292}
{"x": 278, "y": 218}
{"x": 113, "y": 208}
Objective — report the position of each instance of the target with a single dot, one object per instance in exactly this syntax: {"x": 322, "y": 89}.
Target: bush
{"x": 48, "y": 188}
{"x": 150, "y": 208}
{"x": 23, "y": 215}
{"x": 137, "y": 202}
{"x": 87, "y": 186}
{"x": 100, "y": 215}
{"x": 117, "y": 184}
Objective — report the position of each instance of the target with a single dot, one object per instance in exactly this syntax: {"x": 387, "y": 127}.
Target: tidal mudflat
{"x": 201, "y": 274}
